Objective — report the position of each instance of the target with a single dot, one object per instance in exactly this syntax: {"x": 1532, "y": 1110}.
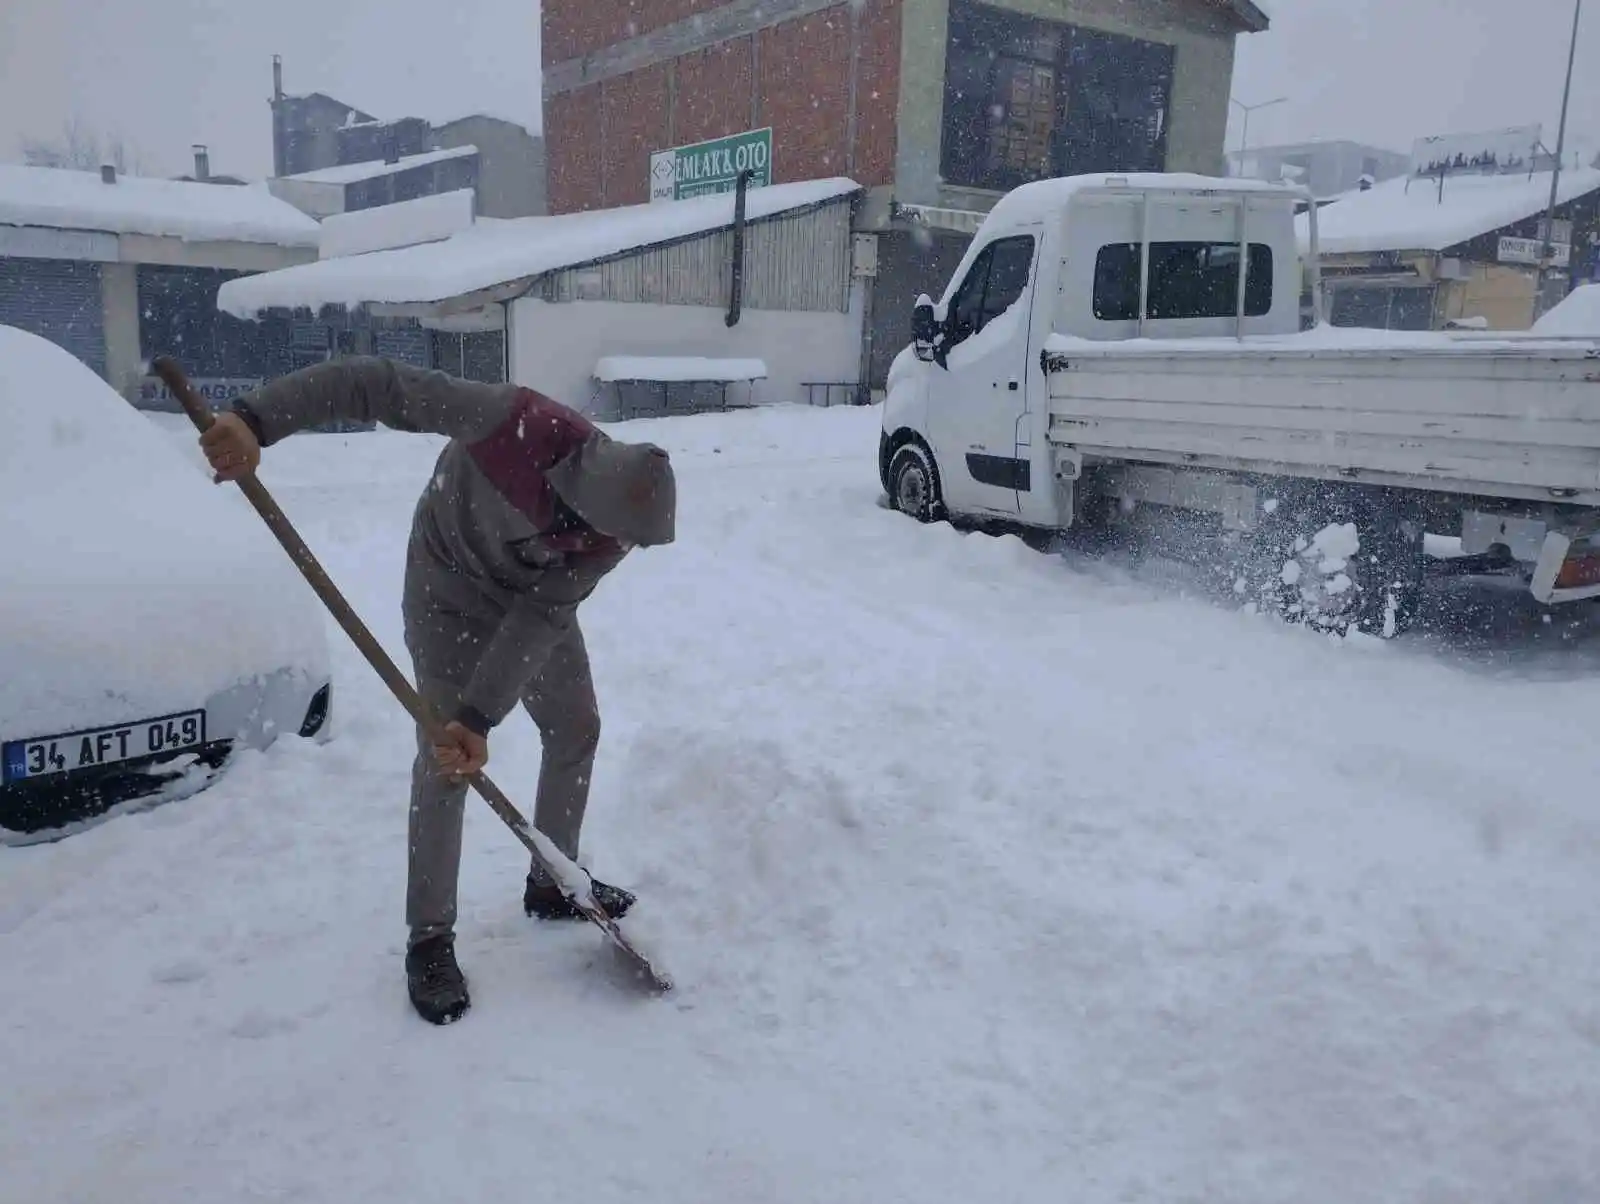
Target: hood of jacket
{"x": 625, "y": 490}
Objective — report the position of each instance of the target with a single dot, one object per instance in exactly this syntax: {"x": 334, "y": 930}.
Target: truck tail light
{"x": 1580, "y": 569}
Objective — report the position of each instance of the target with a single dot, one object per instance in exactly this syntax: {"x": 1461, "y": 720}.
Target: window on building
{"x": 993, "y": 284}
{"x": 1187, "y": 280}
{"x": 1381, "y": 307}
{"x": 475, "y": 355}
{"x": 1027, "y": 98}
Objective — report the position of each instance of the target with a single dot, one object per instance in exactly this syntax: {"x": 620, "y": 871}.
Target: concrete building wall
{"x": 309, "y": 127}
{"x": 1504, "y": 294}
{"x": 511, "y": 164}
{"x": 554, "y": 347}
{"x": 119, "y": 294}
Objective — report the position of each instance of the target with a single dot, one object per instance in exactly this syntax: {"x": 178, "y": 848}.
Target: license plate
{"x": 45, "y": 756}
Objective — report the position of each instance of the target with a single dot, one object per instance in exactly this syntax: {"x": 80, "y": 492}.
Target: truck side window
{"x": 1008, "y": 275}
{"x": 966, "y": 308}
{"x": 1187, "y": 280}
{"x": 995, "y": 283}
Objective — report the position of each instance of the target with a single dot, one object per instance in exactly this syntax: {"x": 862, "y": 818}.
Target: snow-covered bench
{"x": 675, "y": 383}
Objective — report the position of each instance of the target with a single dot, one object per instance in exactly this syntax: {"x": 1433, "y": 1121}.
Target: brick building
{"x": 936, "y": 106}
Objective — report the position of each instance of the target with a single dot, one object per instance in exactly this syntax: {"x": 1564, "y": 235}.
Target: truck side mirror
{"x": 924, "y": 328}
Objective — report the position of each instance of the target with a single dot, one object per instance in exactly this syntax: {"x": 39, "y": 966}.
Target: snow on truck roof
{"x": 1037, "y": 200}
{"x": 1392, "y": 217}
{"x": 61, "y": 199}
{"x": 489, "y": 254}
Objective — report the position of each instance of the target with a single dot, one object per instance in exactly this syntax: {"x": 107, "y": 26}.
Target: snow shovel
{"x": 571, "y": 879}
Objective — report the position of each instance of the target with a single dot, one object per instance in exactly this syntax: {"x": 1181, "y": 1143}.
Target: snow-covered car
{"x": 149, "y": 622}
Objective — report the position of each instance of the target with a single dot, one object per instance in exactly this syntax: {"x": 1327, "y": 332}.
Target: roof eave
{"x": 1249, "y": 15}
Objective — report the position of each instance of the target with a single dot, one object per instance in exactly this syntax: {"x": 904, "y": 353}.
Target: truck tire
{"x": 1377, "y": 590}
{"x": 1390, "y": 568}
{"x": 914, "y": 483}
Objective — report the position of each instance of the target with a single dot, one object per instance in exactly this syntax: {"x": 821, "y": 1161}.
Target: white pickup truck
{"x": 1125, "y": 354}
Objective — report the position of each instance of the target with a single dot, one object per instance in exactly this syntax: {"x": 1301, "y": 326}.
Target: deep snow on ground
{"x": 985, "y": 875}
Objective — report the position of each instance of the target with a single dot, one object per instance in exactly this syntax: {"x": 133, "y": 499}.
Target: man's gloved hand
{"x": 467, "y": 752}
{"x": 231, "y": 447}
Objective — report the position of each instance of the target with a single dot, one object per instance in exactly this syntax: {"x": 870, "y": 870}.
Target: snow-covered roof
{"x": 355, "y": 173}
{"x": 1390, "y": 217}
{"x": 61, "y": 199}
{"x": 403, "y": 224}
{"x": 495, "y": 253}
{"x": 1255, "y": 17}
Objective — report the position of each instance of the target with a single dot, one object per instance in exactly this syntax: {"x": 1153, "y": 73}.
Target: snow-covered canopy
{"x": 491, "y": 254}
{"x": 402, "y": 224}
{"x": 1391, "y": 217}
{"x": 61, "y": 199}
{"x": 355, "y": 173}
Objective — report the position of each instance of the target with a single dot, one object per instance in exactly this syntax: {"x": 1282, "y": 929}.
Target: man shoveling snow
{"x": 529, "y": 507}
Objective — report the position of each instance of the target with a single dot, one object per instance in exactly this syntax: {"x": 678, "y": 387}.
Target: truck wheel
{"x": 1376, "y": 589}
{"x": 914, "y": 484}
{"x": 1390, "y": 568}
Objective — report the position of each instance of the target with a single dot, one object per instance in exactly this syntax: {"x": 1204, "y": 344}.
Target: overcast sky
{"x": 168, "y": 73}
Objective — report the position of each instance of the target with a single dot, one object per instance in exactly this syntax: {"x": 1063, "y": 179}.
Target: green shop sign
{"x": 712, "y": 166}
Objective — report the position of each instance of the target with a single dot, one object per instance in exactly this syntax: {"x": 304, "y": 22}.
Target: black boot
{"x": 438, "y": 989}
{"x": 548, "y": 903}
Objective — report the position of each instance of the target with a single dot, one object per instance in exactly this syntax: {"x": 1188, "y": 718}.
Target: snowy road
{"x": 985, "y": 875}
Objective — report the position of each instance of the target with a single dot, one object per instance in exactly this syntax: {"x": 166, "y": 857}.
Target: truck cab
{"x": 1102, "y": 257}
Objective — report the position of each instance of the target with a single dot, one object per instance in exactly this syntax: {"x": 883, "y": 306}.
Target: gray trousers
{"x": 560, "y": 699}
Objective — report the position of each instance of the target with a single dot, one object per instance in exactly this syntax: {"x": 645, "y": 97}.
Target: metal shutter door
{"x": 57, "y": 299}
{"x": 408, "y": 344}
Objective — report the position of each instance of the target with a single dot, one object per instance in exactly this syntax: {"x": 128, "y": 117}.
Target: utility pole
{"x": 1548, "y": 250}
{"x": 1244, "y": 140}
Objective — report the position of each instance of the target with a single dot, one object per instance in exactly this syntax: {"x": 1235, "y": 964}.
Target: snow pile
{"x": 403, "y": 224}
{"x": 677, "y": 368}
{"x": 80, "y": 200}
{"x": 1394, "y": 217}
{"x": 133, "y": 586}
{"x": 1577, "y": 315}
{"x": 499, "y": 252}
{"x": 984, "y": 876}
{"x": 372, "y": 169}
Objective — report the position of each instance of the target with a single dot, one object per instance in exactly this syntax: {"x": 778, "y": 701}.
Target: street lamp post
{"x": 1244, "y": 138}
{"x": 1547, "y": 252}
